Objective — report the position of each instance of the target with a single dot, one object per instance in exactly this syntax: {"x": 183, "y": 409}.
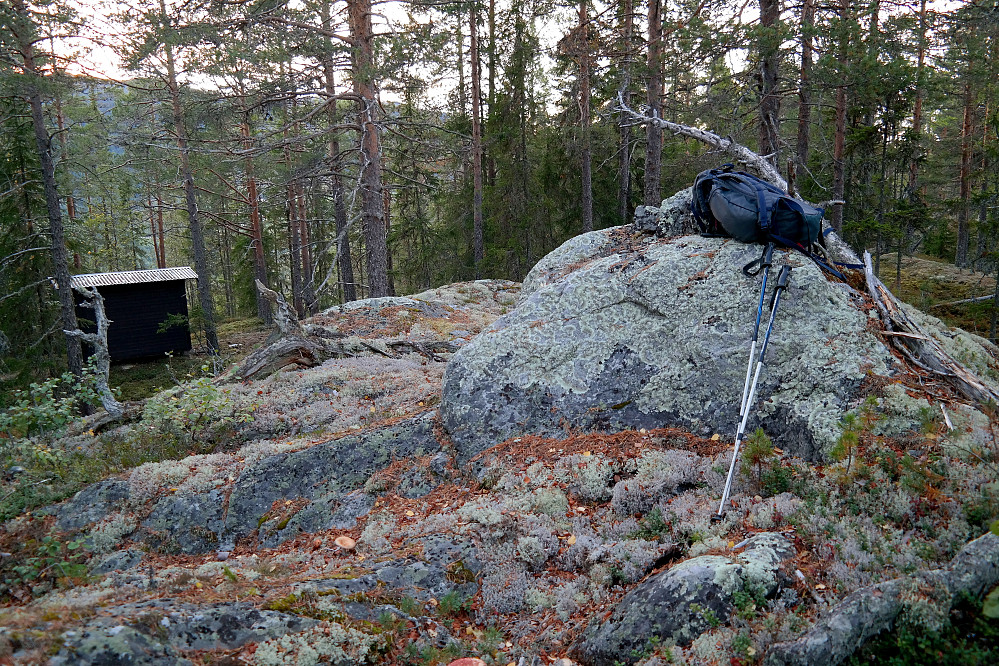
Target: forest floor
{"x": 927, "y": 283}
{"x": 141, "y": 379}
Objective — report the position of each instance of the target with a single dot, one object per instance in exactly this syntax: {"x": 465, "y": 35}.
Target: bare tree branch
{"x": 837, "y": 247}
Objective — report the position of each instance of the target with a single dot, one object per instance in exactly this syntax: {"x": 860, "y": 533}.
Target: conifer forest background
{"x": 343, "y": 149}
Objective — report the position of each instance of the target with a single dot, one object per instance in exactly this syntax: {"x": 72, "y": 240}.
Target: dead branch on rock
{"x": 99, "y": 342}
{"x": 875, "y": 608}
{"x": 307, "y": 345}
{"x": 837, "y": 247}
{"x": 284, "y": 352}
{"x": 919, "y": 347}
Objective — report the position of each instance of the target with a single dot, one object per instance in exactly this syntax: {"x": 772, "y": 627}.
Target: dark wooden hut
{"x": 139, "y": 305}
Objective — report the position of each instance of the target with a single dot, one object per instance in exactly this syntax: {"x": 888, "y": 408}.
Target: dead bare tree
{"x": 299, "y": 343}
{"x": 99, "y": 341}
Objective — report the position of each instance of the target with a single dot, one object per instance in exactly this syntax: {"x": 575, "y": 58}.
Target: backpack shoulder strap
{"x": 814, "y": 257}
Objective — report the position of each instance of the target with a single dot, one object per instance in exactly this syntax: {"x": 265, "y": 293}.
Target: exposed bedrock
{"x": 619, "y": 330}
{"x": 679, "y": 604}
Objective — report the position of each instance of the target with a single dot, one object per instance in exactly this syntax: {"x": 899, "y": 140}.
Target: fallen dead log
{"x": 286, "y": 351}
{"x": 919, "y": 347}
{"x": 876, "y": 608}
{"x": 976, "y": 299}
{"x": 308, "y": 345}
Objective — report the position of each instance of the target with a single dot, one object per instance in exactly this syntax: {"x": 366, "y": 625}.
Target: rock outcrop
{"x": 868, "y": 611}
{"x": 279, "y": 496}
{"x": 152, "y": 632}
{"x": 677, "y": 605}
{"x": 616, "y": 330}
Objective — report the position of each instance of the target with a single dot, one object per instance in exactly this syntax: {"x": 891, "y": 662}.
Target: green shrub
{"x": 39, "y": 564}
{"x": 653, "y": 526}
{"x": 198, "y": 411}
{"x": 45, "y": 408}
{"x": 451, "y": 604}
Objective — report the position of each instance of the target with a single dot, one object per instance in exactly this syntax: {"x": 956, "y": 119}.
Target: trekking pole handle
{"x": 768, "y": 255}
{"x": 783, "y": 277}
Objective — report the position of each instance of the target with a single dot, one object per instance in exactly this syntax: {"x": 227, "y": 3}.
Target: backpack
{"x": 751, "y": 210}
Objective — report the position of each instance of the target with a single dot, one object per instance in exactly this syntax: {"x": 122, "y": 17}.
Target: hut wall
{"x": 136, "y": 312}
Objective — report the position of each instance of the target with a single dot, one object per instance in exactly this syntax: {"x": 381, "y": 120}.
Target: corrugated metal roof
{"x": 134, "y": 277}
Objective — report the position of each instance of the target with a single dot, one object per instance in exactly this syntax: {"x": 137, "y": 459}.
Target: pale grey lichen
{"x": 550, "y": 268}
{"x": 107, "y": 534}
{"x": 331, "y": 643}
{"x": 660, "y": 336}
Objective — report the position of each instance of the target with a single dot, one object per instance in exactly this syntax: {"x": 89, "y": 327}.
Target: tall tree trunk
{"x": 64, "y": 145}
{"x": 372, "y": 215}
{"x": 839, "y": 141}
{"x": 917, "y": 105}
{"x": 805, "y": 86}
{"x": 294, "y": 244}
{"x": 305, "y": 237}
{"x": 346, "y": 268}
{"x": 60, "y": 257}
{"x": 477, "y": 230}
{"x": 190, "y": 196}
{"x": 159, "y": 225}
{"x": 584, "y": 118}
{"x": 256, "y": 226}
{"x": 624, "y": 152}
{"x": 293, "y": 214}
{"x": 490, "y": 160}
{"x": 152, "y": 227}
{"x": 967, "y": 128}
{"x": 653, "y": 133}
{"x": 769, "y": 120}
{"x": 462, "y": 89}
{"x": 387, "y": 205}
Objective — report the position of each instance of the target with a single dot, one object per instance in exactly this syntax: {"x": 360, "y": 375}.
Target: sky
{"x": 95, "y": 59}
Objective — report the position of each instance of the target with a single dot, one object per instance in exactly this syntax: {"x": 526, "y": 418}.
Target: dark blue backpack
{"x": 740, "y": 205}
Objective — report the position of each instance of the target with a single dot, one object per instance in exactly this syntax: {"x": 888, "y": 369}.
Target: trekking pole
{"x": 782, "y": 280}
{"x": 766, "y": 260}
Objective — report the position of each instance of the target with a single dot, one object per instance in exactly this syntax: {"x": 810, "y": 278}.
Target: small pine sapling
{"x": 855, "y": 426}
{"x": 759, "y": 454}
{"x": 849, "y": 440}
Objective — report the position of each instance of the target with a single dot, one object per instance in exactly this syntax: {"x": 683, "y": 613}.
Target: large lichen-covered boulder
{"x": 620, "y": 330}
{"x": 682, "y": 602}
